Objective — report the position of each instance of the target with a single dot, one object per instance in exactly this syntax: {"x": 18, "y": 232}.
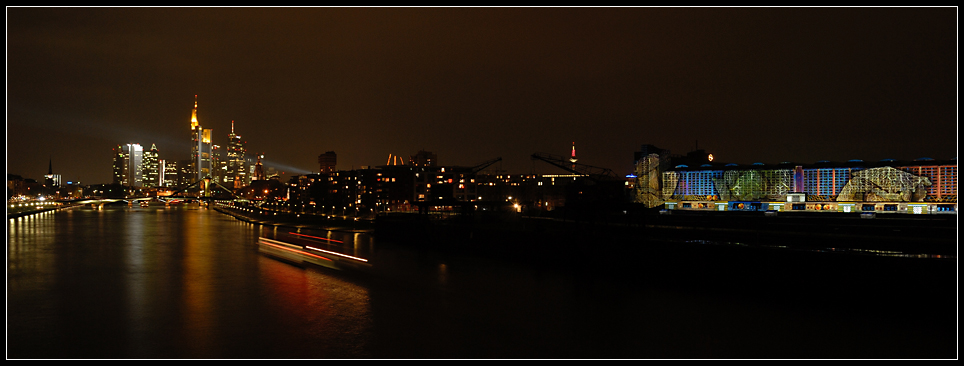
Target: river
{"x": 187, "y": 282}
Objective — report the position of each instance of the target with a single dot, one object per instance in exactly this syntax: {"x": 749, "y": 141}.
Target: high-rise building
{"x": 170, "y": 169}
{"x": 185, "y": 174}
{"x": 151, "y": 169}
{"x": 201, "y": 149}
{"x": 326, "y": 162}
{"x": 218, "y": 165}
{"x": 160, "y": 173}
{"x": 423, "y": 158}
{"x": 250, "y": 165}
{"x": 127, "y": 165}
{"x": 237, "y": 176}
{"x": 259, "y": 170}
{"x": 118, "y": 164}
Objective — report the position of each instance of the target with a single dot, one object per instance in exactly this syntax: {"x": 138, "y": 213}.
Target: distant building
{"x": 649, "y": 164}
{"x": 151, "y": 169}
{"x": 51, "y": 180}
{"x": 259, "y": 169}
{"x": 128, "y": 160}
{"x": 919, "y": 186}
{"x": 236, "y": 175}
{"x": 118, "y": 165}
{"x": 170, "y": 173}
{"x": 185, "y": 174}
{"x": 327, "y": 162}
{"x": 202, "y": 156}
{"x": 219, "y": 167}
{"x": 423, "y": 159}
{"x": 16, "y": 186}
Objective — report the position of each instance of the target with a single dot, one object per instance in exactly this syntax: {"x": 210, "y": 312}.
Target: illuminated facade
{"x": 169, "y": 168}
{"x": 650, "y": 162}
{"x": 128, "y": 165}
{"x": 201, "y": 150}
{"x": 151, "y": 168}
{"x": 236, "y": 175}
{"x": 219, "y": 167}
{"x": 919, "y": 186}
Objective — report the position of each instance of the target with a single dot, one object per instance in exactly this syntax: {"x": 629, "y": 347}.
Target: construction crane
{"x": 569, "y": 165}
{"x": 485, "y": 164}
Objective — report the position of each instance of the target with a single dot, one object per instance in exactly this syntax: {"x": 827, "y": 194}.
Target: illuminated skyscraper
{"x": 201, "y": 149}
{"x": 195, "y": 145}
{"x": 127, "y": 165}
{"x": 170, "y": 169}
{"x": 218, "y": 165}
{"x": 237, "y": 176}
{"x": 151, "y": 168}
{"x": 118, "y": 164}
{"x": 207, "y": 154}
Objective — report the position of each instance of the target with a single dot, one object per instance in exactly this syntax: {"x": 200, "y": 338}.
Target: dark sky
{"x": 472, "y": 84}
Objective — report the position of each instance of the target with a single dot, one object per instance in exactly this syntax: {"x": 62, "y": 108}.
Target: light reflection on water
{"x": 168, "y": 283}
{"x": 186, "y": 282}
{"x": 858, "y": 251}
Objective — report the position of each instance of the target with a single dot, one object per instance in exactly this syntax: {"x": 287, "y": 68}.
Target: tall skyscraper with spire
{"x": 201, "y": 154}
{"x": 237, "y": 176}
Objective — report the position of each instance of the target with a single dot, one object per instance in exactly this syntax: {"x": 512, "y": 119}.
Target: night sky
{"x": 471, "y": 84}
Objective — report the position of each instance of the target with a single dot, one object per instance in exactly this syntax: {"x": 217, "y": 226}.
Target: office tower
{"x": 170, "y": 168}
{"x": 201, "y": 149}
{"x": 185, "y": 173}
{"x": 195, "y": 145}
{"x": 151, "y": 169}
{"x": 207, "y": 155}
{"x": 118, "y": 165}
{"x": 127, "y": 165}
{"x": 237, "y": 175}
{"x": 218, "y": 165}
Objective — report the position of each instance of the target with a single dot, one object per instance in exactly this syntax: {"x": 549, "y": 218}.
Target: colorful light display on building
{"x": 888, "y": 186}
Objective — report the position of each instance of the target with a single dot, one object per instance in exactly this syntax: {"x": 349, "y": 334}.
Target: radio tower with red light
{"x": 572, "y": 159}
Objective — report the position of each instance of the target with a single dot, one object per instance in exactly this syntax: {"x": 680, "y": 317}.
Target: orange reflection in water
{"x": 198, "y": 287}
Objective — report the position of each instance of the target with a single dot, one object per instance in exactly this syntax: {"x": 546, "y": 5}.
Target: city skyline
{"x": 472, "y": 84}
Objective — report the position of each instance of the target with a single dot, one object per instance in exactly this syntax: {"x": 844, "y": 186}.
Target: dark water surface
{"x": 188, "y": 282}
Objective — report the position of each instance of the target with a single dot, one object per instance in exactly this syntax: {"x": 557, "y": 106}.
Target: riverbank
{"x": 294, "y": 220}
{"x": 33, "y": 211}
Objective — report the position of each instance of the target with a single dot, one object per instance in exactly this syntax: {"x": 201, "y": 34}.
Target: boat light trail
{"x": 338, "y": 254}
{"x": 315, "y": 237}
